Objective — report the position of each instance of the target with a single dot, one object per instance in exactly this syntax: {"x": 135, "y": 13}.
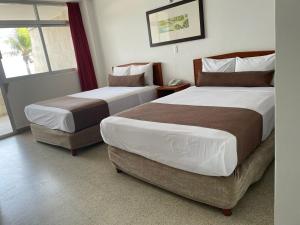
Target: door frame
{"x": 4, "y": 89}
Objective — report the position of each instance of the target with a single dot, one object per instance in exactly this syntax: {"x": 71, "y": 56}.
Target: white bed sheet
{"x": 118, "y": 99}
{"x": 195, "y": 149}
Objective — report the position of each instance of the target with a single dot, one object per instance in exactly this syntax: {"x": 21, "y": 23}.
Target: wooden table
{"x": 167, "y": 90}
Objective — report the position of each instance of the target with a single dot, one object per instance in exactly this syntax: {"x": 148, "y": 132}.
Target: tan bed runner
{"x": 86, "y": 112}
{"x": 244, "y": 124}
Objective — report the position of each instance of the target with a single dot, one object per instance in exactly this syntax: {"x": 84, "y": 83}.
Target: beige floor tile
{"x": 41, "y": 184}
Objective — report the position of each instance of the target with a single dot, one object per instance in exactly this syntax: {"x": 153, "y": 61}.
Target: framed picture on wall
{"x": 177, "y": 22}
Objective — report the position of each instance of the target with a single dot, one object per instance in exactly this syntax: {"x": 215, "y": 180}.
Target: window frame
{"x": 38, "y": 23}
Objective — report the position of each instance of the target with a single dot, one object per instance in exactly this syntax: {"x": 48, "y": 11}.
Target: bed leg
{"x": 118, "y": 170}
{"x": 74, "y": 152}
{"x": 227, "y": 212}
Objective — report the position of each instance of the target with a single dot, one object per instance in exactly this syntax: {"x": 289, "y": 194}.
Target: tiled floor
{"x": 41, "y": 185}
{"x": 5, "y": 126}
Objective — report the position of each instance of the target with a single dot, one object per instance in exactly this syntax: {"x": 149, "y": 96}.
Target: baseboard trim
{"x": 18, "y": 131}
{"x": 22, "y": 130}
{"x": 7, "y": 135}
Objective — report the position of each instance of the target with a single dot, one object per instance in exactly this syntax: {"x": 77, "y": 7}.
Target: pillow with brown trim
{"x": 126, "y": 81}
{"x": 236, "y": 79}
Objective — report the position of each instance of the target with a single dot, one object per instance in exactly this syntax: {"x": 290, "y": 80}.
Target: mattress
{"x": 194, "y": 149}
{"x": 117, "y": 98}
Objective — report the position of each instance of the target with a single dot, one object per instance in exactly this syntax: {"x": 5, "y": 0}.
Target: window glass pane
{"x": 22, "y": 51}
{"x": 50, "y": 12}
{"x": 59, "y": 47}
{"x": 10, "y": 11}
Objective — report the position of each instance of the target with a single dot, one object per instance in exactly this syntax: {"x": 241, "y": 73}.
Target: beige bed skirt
{"x": 221, "y": 192}
{"x": 71, "y": 141}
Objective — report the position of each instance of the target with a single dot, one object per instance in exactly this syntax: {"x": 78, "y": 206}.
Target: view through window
{"x": 35, "y": 38}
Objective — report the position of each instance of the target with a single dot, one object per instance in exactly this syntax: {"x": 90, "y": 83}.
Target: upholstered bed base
{"x": 71, "y": 141}
{"x": 221, "y": 192}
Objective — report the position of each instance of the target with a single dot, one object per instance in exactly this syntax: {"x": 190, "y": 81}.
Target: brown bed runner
{"x": 86, "y": 112}
{"x": 244, "y": 124}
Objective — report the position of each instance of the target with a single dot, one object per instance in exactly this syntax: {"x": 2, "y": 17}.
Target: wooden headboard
{"x": 157, "y": 72}
{"x": 198, "y": 62}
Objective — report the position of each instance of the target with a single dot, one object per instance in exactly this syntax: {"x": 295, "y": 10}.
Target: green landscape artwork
{"x": 174, "y": 24}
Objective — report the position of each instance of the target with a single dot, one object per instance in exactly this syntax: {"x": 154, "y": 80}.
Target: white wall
{"x": 231, "y": 25}
{"x": 91, "y": 29}
{"x": 26, "y": 90}
{"x": 287, "y": 171}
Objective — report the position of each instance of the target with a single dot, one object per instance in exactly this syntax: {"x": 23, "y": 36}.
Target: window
{"x": 35, "y": 38}
{"x": 50, "y": 12}
{"x": 60, "y": 47}
{"x": 22, "y": 51}
{"x": 16, "y": 12}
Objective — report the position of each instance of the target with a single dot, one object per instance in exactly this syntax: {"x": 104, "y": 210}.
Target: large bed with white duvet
{"x": 72, "y": 121}
{"x": 207, "y": 151}
{"x": 117, "y": 98}
{"x": 180, "y": 143}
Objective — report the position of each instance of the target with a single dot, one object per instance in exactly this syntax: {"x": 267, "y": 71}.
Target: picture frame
{"x": 178, "y": 22}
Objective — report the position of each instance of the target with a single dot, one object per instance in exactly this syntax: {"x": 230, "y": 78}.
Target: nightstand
{"x": 167, "y": 90}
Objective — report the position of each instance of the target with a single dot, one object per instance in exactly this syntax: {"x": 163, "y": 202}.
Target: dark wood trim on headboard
{"x": 198, "y": 62}
{"x": 157, "y": 72}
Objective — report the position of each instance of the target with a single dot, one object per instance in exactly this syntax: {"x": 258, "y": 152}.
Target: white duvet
{"x": 195, "y": 149}
{"x": 118, "y": 99}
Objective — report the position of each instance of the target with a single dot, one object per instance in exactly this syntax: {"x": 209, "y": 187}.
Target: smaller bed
{"x": 208, "y": 144}
{"x": 72, "y": 121}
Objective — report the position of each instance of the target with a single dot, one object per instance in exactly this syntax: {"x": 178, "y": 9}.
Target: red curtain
{"x": 85, "y": 66}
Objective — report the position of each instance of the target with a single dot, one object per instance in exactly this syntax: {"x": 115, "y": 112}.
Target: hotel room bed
{"x": 73, "y": 121}
{"x": 117, "y": 98}
{"x": 195, "y": 143}
{"x": 164, "y": 130}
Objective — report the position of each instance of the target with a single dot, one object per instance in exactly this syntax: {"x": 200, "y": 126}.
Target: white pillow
{"x": 146, "y": 69}
{"x": 259, "y": 63}
{"x": 121, "y": 70}
{"x": 218, "y": 65}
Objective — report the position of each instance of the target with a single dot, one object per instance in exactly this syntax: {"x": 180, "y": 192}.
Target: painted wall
{"x": 26, "y": 90}
{"x": 91, "y": 28}
{"x": 287, "y": 171}
{"x": 231, "y": 25}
